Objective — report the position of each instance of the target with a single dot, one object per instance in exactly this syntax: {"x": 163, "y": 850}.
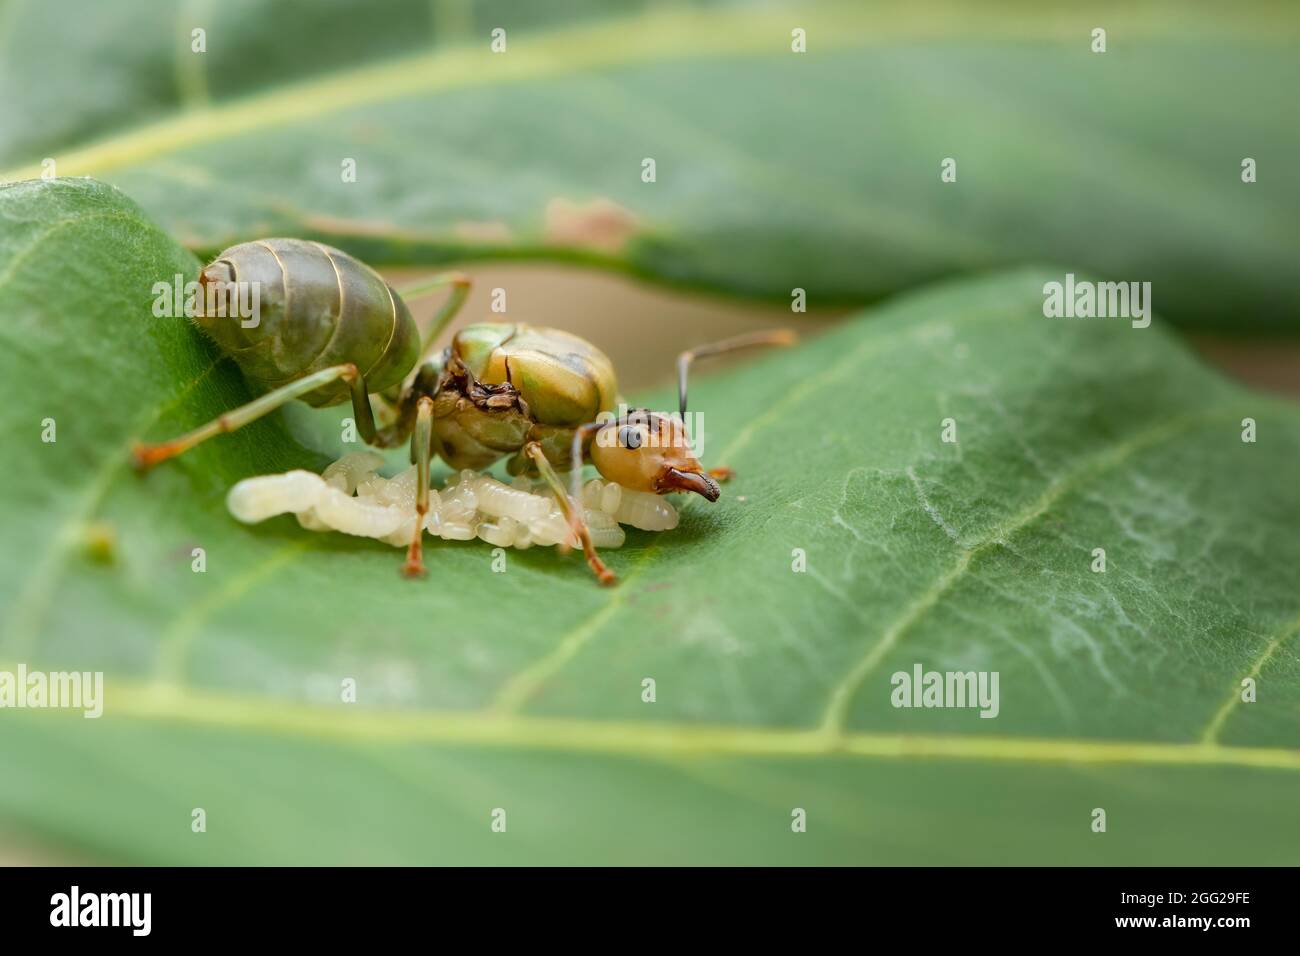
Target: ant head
{"x": 648, "y": 452}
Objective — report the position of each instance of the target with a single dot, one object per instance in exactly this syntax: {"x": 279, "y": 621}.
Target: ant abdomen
{"x": 284, "y": 308}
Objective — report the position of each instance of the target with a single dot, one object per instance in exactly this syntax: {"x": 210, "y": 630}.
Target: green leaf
{"x": 523, "y": 691}
{"x": 150, "y": 69}
{"x": 774, "y": 170}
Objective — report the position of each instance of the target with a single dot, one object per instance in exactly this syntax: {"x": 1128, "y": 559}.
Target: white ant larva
{"x": 353, "y": 498}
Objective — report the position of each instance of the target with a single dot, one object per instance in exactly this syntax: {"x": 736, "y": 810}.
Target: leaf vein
{"x": 1212, "y": 729}
{"x": 841, "y": 698}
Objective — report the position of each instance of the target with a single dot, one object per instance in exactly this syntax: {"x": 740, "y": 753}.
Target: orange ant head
{"x": 647, "y": 452}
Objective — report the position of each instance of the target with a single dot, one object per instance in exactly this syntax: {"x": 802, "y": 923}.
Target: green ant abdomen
{"x": 316, "y": 307}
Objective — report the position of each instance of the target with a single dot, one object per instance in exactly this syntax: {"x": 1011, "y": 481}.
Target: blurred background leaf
{"x": 523, "y": 691}
{"x": 774, "y": 170}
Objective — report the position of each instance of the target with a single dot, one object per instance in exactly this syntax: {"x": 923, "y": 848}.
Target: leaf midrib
{"x": 181, "y": 705}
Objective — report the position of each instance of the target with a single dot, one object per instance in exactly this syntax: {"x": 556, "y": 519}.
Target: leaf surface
{"x": 523, "y": 690}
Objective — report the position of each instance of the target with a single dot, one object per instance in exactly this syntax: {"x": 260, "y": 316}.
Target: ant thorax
{"x": 475, "y": 424}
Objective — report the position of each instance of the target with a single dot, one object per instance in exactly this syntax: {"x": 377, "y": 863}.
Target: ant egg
{"x": 550, "y": 530}
{"x": 457, "y": 512}
{"x": 457, "y": 532}
{"x": 461, "y": 495}
{"x": 591, "y": 493}
{"x": 350, "y": 470}
{"x": 400, "y": 489}
{"x": 608, "y": 537}
{"x": 646, "y": 511}
{"x": 496, "y": 534}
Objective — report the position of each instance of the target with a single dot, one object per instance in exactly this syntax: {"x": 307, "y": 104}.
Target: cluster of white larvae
{"x": 353, "y": 498}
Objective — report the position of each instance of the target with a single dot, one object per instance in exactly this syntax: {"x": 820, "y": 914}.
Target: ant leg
{"x": 750, "y": 340}
{"x": 146, "y": 456}
{"x": 421, "y": 449}
{"x": 404, "y": 406}
{"x": 572, "y": 510}
{"x": 460, "y": 286}
{"x": 580, "y": 435}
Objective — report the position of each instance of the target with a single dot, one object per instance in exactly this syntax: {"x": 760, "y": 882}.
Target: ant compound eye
{"x": 629, "y": 437}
